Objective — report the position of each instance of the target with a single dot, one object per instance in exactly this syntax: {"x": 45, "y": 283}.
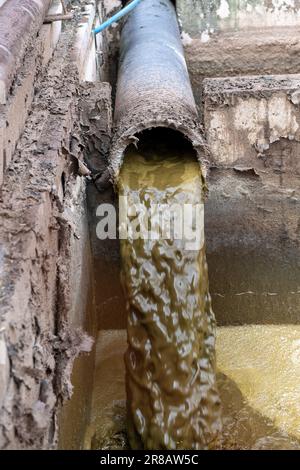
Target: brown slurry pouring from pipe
{"x": 172, "y": 398}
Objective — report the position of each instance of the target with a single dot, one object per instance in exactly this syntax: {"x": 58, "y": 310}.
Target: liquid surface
{"x": 172, "y": 399}
{"x": 259, "y": 399}
{"x": 264, "y": 362}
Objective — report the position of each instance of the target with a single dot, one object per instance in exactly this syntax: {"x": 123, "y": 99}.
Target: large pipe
{"x": 20, "y": 20}
{"x": 153, "y": 88}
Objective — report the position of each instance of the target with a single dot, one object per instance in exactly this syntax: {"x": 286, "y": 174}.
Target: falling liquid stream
{"x": 172, "y": 399}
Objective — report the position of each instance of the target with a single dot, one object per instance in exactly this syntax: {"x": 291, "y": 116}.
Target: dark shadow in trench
{"x": 109, "y": 297}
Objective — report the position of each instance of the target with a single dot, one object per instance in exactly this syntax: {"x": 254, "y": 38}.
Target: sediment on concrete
{"x": 46, "y": 292}
{"x": 252, "y": 128}
{"x": 20, "y": 21}
{"x": 28, "y": 58}
{"x": 153, "y": 87}
{"x": 244, "y": 78}
{"x": 229, "y": 54}
{"x": 252, "y": 212}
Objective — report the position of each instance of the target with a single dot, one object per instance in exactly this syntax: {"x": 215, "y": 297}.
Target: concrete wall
{"x": 243, "y": 57}
{"x": 253, "y": 209}
{"x": 17, "y": 102}
{"x": 206, "y": 18}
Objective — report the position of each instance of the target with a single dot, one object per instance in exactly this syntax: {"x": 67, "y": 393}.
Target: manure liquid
{"x": 172, "y": 399}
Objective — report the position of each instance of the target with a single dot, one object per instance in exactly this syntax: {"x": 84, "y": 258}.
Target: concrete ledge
{"x": 249, "y": 119}
{"x": 18, "y": 102}
{"x": 252, "y": 213}
{"x": 50, "y": 33}
{"x": 44, "y": 255}
{"x": 270, "y": 51}
{"x": 252, "y": 128}
{"x": 84, "y": 50}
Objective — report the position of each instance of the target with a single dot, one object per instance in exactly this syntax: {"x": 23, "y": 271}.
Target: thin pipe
{"x": 117, "y": 16}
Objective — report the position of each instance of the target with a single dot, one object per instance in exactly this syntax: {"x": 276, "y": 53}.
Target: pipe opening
{"x": 162, "y": 140}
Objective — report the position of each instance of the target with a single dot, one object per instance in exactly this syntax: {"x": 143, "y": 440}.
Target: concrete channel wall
{"x": 204, "y": 19}
{"x": 243, "y": 60}
{"x": 46, "y": 289}
{"x": 19, "y": 71}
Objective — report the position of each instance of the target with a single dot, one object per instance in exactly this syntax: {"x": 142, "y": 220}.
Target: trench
{"x": 259, "y": 400}
{"x": 251, "y": 358}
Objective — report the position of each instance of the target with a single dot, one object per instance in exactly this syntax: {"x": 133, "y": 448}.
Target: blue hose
{"x": 117, "y": 16}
